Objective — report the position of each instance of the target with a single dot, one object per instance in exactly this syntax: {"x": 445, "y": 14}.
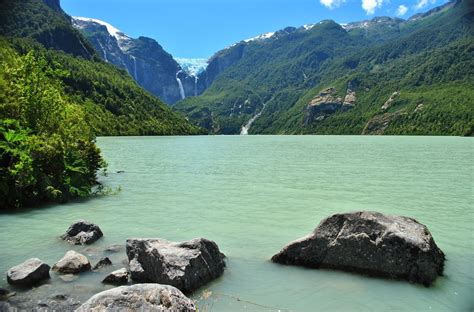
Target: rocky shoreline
{"x": 159, "y": 274}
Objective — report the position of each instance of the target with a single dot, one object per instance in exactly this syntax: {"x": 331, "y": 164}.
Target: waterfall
{"x": 103, "y": 51}
{"x": 245, "y": 129}
{"x": 134, "y": 67}
{"x": 180, "y": 84}
{"x": 196, "y": 85}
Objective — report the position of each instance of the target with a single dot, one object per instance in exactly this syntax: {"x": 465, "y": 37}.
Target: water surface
{"x": 254, "y": 194}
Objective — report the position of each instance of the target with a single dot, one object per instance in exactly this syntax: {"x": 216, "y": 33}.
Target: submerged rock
{"x": 370, "y": 243}
{"x": 102, "y": 263}
{"x": 140, "y": 297}
{"x": 72, "y": 263}
{"x": 82, "y": 233}
{"x": 186, "y": 265}
{"x": 41, "y": 303}
{"x": 115, "y": 248}
{"x": 29, "y": 273}
{"x": 68, "y": 278}
{"x": 5, "y": 294}
{"x": 119, "y": 277}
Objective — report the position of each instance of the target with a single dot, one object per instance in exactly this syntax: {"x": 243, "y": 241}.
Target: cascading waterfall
{"x": 134, "y": 67}
{"x": 104, "y": 52}
{"x": 245, "y": 129}
{"x": 196, "y": 85}
{"x": 180, "y": 84}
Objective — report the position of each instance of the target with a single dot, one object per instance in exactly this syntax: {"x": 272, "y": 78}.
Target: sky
{"x": 199, "y": 28}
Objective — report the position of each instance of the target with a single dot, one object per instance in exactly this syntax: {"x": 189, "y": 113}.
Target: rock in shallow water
{"x": 82, "y": 233}
{"x": 370, "y": 243}
{"x": 5, "y": 294}
{"x": 186, "y": 265}
{"x": 102, "y": 263}
{"x": 119, "y": 277}
{"x": 29, "y": 273}
{"x": 72, "y": 263}
{"x": 140, "y": 297}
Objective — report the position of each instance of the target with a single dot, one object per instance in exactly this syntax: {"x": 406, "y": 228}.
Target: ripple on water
{"x": 253, "y": 195}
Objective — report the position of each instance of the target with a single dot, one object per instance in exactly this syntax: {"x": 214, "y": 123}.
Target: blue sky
{"x": 199, "y": 28}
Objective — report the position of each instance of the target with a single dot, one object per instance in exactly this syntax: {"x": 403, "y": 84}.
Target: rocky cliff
{"x": 143, "y": 58}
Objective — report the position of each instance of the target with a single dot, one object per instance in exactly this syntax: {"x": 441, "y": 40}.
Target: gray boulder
{"x": 186, "y": 265}
{"x": 140, "y": 297}
{"x": 119, "y": 277}
{"x": 82, "y": 233}
{"x": 369, "y": 243}
{"x": 72, "y": 263}
{"x": 29, "y": 273}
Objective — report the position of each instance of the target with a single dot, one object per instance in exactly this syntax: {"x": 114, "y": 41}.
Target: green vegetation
{"x": 428, "y": 60}
{"x": 53, "y": 102}
{"x": 47, "y": 150}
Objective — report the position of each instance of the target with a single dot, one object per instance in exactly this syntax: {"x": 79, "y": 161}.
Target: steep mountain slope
{"x": 143, "y": 58}
{"x": 322, "y": 78}
{"x": 44, "y": 22}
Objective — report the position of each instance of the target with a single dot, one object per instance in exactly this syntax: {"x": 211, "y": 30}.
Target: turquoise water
{"x": 254, "y": 194}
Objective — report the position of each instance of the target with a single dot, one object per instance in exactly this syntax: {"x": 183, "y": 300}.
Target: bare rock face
{"x": 82, "y": 233}
{"x": 119, "y": 277}
{"x": 390, "y": 100}
{"x": 369, "y": 243}
{"x": 327, "y": 102}
{"x": 140, "y": 297}
{"x": 379, "y": 123}
{"x": 29, "y": 273}
{"x": 72, "y": 263}
{"x": 186, "y": 265}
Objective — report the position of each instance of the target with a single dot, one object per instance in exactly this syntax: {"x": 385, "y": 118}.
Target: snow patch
{"x": 261, "y": 37}
{"x": 114, "y": 32}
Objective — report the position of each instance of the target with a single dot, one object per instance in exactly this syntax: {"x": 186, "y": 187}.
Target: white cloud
{"x": 331, "y": 3}
{"x": 402, "y": 10}
{"x": 422, "y": 3}
{"x": 370, "y": 5}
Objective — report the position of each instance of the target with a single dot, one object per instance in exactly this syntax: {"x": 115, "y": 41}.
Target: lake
{"x": 254, "y": 194}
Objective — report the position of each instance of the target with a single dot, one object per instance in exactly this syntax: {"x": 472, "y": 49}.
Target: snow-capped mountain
{"x": 144, "y": 59}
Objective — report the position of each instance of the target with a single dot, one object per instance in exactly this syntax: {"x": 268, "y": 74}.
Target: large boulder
{"x": 118, "y": 277}
{"x": 369, "y": 243}
{"x": 29, "y": 273}
{"x": 139, "y": 297}
{"x": 72, "y": 263}
{"x": 82, "y": 233}
{"x": 186, "y": 265}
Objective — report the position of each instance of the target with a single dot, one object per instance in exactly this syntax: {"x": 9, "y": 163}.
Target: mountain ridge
{"x": 284, "y": 68}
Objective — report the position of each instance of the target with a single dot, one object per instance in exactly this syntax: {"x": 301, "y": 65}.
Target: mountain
{"x": 328, "y": 78}
{"x": 144, "y": 59}
{"x": 44, "y": 22}
{"x": 56, "y": 95}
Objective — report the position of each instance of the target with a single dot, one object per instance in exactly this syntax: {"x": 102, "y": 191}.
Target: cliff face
{"x": 143, "y": 58}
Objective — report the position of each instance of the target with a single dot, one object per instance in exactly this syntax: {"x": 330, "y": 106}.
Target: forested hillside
{"x": 333, "y": 79}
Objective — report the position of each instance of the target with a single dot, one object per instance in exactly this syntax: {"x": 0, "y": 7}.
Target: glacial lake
{"x": 254, "y": 194}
